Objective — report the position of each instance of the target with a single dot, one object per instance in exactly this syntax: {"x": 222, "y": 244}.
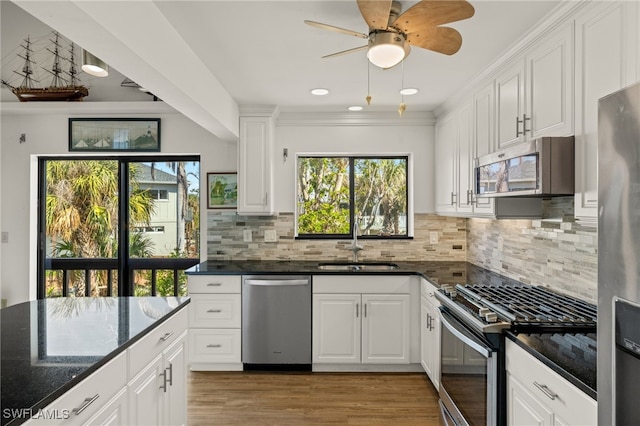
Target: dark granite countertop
{"x": 438, "y": 272}
{"x": 50, "y": 345}
{"x": 573, "y": 356}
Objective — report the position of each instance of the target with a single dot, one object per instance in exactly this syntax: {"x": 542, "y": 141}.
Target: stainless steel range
{"x": 473, "y": 383}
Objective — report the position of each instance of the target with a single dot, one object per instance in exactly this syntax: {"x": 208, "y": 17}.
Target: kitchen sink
{"x": 358, "y": 266}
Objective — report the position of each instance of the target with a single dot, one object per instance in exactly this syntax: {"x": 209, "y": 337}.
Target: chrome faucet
{"x": 355, "y": 248}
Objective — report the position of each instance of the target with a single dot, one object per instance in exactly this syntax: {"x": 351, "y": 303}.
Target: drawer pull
{"x": 545, "y": 390}
{"x": 214, "y": 284}
{"x": 214, "y": 311}
{"x": 166, "y": 336}
{"x": 87, "y": 402}
{"x": 211, "y": 345}
{"x": 170, "y": 368}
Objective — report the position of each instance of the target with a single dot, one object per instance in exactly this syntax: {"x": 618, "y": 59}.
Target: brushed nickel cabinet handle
{"x": 545, "y": 390}
{"x": 214, "y": 311}
{"x": 211, "y": 345}
{"x": 86, "y": 403}
{"x": 214, "y": 284}
{"x": 166, "y": 336}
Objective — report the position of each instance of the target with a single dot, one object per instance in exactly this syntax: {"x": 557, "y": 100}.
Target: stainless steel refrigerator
{"x": 619, "y": 257}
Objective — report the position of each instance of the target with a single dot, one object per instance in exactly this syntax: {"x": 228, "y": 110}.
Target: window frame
{"x": 352, "y": 157}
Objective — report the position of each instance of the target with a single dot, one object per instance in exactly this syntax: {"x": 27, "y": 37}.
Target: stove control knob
{"x": 484, "y": 311}
{"x": 491, "y": 317}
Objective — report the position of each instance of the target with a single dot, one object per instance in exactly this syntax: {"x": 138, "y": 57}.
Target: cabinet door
{"x": 510, "y": 105}
{"x": 175, "y": 393}
{"x": 601, "y": 60}
{"x": 254, "y": 166}
{"x": 465, "y": 159}
{"x": 524, "y": 408}
{"x": 430, "y": 335}
{"x": 145, "y": 396}
{"x": 114, "y": 413}
{"x": 336, "y": 328}
{"x": 550, "y": 86}
{"x": 483, "y": 108}
{"x": 446, "y": 146}
{"x": 385, "y": 329}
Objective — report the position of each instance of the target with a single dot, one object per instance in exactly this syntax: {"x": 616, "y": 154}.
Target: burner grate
{"x": 531, "y": 305}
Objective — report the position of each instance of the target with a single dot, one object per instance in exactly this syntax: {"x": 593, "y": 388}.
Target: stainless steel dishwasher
{"x": 276, "y": 322}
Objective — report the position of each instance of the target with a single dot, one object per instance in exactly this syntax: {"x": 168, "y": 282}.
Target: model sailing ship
{"x": 65, "y": 85}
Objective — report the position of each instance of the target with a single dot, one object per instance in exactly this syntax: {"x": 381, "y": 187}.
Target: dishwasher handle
{"x": 277, "y": 282}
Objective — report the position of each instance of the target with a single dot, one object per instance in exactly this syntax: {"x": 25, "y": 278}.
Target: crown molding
{"x": 351, "y": 118}
{"x": 85, "y": 108}
{"x": 550, "y": 22}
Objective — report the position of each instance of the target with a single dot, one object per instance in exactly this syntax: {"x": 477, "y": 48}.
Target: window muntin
{"x": 333, "y": 191}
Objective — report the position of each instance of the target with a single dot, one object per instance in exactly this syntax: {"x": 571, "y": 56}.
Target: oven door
{"x": 469, "y": 375}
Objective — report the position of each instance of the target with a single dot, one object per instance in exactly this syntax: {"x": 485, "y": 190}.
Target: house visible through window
{"x": 334, "y": 192}
{"x": 159, "y": 194}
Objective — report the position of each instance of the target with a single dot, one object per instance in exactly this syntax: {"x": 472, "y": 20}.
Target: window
{"x": 159, "y": 194}
{"x": 107, "y": 229}
{"x": 332, "y": 192}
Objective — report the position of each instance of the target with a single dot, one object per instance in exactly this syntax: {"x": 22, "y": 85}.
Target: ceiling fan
{"x": 391, "y": 34}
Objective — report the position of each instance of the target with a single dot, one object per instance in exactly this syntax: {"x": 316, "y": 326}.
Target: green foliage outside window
{"x": 329, "y": 186}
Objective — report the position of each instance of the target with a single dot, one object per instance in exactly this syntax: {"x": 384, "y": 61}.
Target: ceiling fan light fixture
{"x": 93, "y": 65}
{"x": 386, "y": 48}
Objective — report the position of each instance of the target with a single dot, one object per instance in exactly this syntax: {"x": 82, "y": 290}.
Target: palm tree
{"x": 82, "y": 208}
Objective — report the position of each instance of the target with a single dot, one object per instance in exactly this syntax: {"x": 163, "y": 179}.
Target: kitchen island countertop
{"x": 50, "y": 345}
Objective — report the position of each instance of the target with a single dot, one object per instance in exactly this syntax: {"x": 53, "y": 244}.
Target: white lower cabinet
{"x": 114, "y": 413}
{"x": 215, "y": 319}
{"x": 430, "y": 332}
{"x": 536, "y": 395}
{"x": 361, "y": 328}
{"x": 157, "y": 394}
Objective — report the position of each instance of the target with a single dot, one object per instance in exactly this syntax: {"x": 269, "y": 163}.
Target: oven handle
{"x": 468, "y": 340}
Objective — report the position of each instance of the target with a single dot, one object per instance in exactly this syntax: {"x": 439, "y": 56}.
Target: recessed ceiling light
{"x": 319, "y": 92}
{"x": 409, "y": 91}
{"x": 355, "y": 108}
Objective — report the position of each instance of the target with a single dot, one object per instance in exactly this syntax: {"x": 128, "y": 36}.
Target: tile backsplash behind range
{"x": 560, "y": 254}
{"x": 225, "y": 241}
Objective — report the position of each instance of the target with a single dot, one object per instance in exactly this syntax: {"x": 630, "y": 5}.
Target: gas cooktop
{"x": 491, "y": 309}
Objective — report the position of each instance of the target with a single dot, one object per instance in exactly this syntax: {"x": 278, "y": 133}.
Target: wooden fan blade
{"x": 336, "y": 29}
{"x": 433, "y": 13}
{"x": 439, "y": 39}
{"x": 375, "y": 13}
{"x": 344, "y": 52}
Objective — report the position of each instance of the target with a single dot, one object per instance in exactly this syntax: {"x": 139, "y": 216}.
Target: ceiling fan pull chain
{"x": 402, "y": 106}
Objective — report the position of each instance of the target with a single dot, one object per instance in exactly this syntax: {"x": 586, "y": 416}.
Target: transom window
{"x": 333, "y": 192}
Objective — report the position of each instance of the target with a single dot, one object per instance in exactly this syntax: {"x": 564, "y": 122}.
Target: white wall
{"x": 46, "y": 129}
{"x": 384, "y": 133}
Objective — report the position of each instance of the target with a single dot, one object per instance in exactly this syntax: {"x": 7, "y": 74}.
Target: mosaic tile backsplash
{"x": 225, "y": 241}
{"x": 556, "y": 252}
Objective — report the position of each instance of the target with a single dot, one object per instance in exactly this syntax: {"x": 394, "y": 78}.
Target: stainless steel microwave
{"x": 538, "y": 168}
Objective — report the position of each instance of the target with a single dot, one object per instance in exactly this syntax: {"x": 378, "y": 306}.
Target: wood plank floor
{"x": 283, "y": 398}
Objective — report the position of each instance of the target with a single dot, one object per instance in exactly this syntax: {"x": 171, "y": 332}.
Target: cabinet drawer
{"x": 160, "y": 338}
{"x": 385, "y": 284}
{"x": 92, "y": 394}
{"x": 215, "y": 311}
{"x": 569, "y": 403}
{"x": 223, "y": 345}
{"x": 214, "y": 283}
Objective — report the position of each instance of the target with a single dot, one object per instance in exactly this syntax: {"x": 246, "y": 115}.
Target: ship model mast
{"x": 65, "y": 85}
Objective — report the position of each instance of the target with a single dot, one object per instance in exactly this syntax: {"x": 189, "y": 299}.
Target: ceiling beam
{"x": 135, "y": 38}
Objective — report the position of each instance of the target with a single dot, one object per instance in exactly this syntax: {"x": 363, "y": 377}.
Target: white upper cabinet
{"x": 255, "y": 175}
{"x": 534, "y": 95}
{"x": 446, "y": 163}
{"x": 606, "y": 61}
{"x": 510, "y": 105}
{"x": 483, "y": 141}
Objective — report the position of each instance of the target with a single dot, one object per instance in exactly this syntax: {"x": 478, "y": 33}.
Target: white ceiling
{"x": 207, "y": 57}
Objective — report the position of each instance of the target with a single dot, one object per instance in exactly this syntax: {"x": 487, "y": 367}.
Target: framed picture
{"x": 114, "y": 134}
{"x": 222, "y": 190}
